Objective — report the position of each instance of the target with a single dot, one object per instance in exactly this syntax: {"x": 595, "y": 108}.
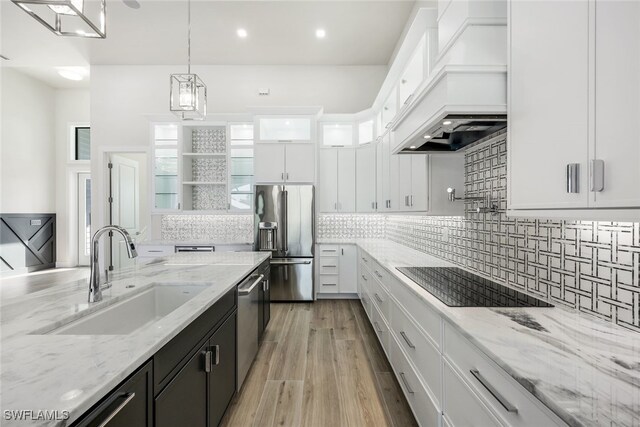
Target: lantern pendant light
{"x": 69, "y": 17}
{"x": 188, "y": 93}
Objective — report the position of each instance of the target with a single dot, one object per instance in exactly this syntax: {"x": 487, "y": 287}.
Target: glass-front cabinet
{"x": 241, "y": 177}
{"x": 166, "y": 194}
{"x": 284, "y": 129}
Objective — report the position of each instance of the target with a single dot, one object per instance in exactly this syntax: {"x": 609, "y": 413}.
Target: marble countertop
{"x": 72, "y": 373}
{"x": 586, "y": 370}
{"x": 159, "y": 242}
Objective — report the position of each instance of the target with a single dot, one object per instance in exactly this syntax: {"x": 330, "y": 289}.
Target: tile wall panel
{"x": 215, "y": 228}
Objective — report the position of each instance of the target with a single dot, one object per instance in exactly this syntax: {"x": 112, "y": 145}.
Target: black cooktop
{"x": 459, "y": 288}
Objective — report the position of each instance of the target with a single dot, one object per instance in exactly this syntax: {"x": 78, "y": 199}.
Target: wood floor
{"x": 320, "y": 365}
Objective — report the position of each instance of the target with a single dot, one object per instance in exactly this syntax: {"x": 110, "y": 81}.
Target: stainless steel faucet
{"x": 95, "y": 289}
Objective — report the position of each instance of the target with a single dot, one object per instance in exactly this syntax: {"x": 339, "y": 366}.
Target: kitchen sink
{"x": 131, "y": 314}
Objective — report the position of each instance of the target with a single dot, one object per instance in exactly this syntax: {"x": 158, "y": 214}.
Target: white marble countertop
{"x": 204, "y": 242}
{"x": 72, "y": 373}
{"x": 586, "y": 370}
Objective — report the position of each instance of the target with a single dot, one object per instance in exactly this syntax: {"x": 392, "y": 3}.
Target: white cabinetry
{"x": 390, "y": 108}
{"x": 413, "y": 74}
{"x": 337, "y": 180}
{"x": 413, "y": 183}
{"x": 585, "y": 93}
{"x": 338, "y": 269}
{"x": 388, "y": 169}
{"x": 366, "y": 179}
{"x": 284, "y": 162}
{"x": 285, "y": 129}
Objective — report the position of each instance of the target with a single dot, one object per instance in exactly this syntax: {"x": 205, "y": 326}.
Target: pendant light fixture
{"x": 69, "y": 17}
{"x": 188, "y": 94}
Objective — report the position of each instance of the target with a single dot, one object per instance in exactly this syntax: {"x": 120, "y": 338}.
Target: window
{"x": 365, "y": 132}
{"x": 241, "y": 171}
{"x": 165, "y": 172}
{"x": 82, "y": 143}
{"x": 337, "y": 134}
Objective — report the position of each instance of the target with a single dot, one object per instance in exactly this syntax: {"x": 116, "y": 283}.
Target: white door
{"x": 617, "y": 102}
{"x": 366, "y": 178}
{"x": 348, "y": 269}
{"x": 84, "y": 218}
{"x": 125, "y": 206}
{"x": 328, "y": 180}
{"x": 300, "y": 163}
{"x": 268, "y": 163}
{"x": 419, "y": 184}
{"x": 548, "y": 103}
{"x": 346, "y": 180}
{"x": 404, "y": 182}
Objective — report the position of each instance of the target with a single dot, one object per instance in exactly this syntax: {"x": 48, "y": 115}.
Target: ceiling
{"x": 358, "y": 32}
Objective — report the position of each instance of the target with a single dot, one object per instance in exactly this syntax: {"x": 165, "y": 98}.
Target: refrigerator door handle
{"x": 286, "y": 220}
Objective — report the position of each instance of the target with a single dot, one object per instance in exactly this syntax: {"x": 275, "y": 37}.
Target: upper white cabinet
{"x": 389, "y": 109}
{"x": 284, "y": 162}
{"x": 574, "y": 99}
{"x": 413, "y": 74}
{"x": 337, "y": 134}
{"x": 617, "y": 105}
{"x": 337, "y": 180}
{"x": 366, "y": 167}
{"x": 366, "y": 132}
{"x": 387, "y": 173}
{"x": 284, "y": 129}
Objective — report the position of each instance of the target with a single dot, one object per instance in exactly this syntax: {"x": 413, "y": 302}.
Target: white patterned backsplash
{"x": 350, "y": 226}
{"x": 590, "y": 266}
{"x": 209, "y": 140}
{"x": 213, "y": 228}
{"x": 210, "y": 170}
{"x": 209, "y": 197}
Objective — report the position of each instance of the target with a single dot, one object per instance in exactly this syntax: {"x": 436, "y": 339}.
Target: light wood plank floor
{"x": 320, "y": 365}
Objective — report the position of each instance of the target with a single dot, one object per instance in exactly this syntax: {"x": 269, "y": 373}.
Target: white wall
{"x": 125, "y": 98}
{"x": 71, "y": 108}
{"x": 27, "y": 175}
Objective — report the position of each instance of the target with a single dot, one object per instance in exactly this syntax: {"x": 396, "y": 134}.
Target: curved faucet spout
{"x": 95, "y": 291}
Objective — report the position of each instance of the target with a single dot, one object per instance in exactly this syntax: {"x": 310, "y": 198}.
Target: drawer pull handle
{"x": 406, "y": 383}
{"x": 364, "y": 259}
{"x": 216, "y": 356}
{"x": 329, "y": 284}
{"x": 407, "y": 340}
{"x": 128, "y": 398}
{"x": 495, "y": 393}
{"x": 378, "y": 298}
{"x": 364, "y": 278}
{"x": 155, "y": 251}
{"x": 331, "y": 266}
{"x": 378, "y": 328}
{"x": 328, "y": 250}
{"x": 378, "y": 274}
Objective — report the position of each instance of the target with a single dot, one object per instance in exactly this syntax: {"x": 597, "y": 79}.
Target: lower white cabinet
{"x": 338, "y": 272}
{"x": 445, "y": 378}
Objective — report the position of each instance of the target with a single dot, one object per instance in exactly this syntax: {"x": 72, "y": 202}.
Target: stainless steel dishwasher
{"x": 248, "y": 309}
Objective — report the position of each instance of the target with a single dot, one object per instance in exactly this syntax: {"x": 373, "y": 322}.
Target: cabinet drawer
{"x": 366, "y": 279}
{"x": 420, "y": 350}
{"x": 380, "y": 273}
{"x": 380, "y": 327}
{"x": 381, "y": 298}
{"x": 329, "y": 250}
{"x": 424, "y": 408}
{"x": 366, "y": 303}
{"x": 462, "y": 408}
{"x": 423, "y": 315}
{"x": 155, "y": 250}
{"x": 366, "y": 259}
{"x": 501, "y": 393}
{"x": 329, "y": 285}
{"x": 329, "y": 265}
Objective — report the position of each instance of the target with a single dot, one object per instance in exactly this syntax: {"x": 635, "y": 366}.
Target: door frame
{"x": 80, "y": 197}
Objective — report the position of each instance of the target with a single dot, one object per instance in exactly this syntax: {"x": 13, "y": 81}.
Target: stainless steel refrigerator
{"x": 285, "y": 226}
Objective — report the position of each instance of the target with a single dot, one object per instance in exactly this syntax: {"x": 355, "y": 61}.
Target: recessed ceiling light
{"x": 242, "y": 33}
{"x": 413, "y": 147}
{"x": 321, "y": 33}
{"x": 447, "y": 122}
{"x": 72, "y": 73}
{"x": 426, "y": 136}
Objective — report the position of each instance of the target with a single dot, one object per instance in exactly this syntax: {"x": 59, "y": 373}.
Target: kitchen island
{"x": 69, "y": 374}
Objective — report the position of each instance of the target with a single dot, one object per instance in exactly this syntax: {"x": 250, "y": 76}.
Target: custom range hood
{"x": 457, "y": 131}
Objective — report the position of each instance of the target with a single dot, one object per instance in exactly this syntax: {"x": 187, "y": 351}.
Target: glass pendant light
{"x": 188, "y": 94}
{"x": 69, "y": 17}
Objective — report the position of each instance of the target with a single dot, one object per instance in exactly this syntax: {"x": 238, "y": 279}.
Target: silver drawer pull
{"x": 495, "y": 393}
{"x": 407, "y": 340}
{"x": 597, "y": 175}
{"x": 406, "y": 383}
{"x": 378, "y": 297}
{"x": 573, "y": 175}
{"x": 364, "y": 278}
{"x": 378, "y": 328}
{"x": 128, "y": 398}
{"x": 329, "y": 284}
{"x": 378, "y": 274}
{"x": 364, "y": 259}
{"x": 330, "y": 266}
{"x": 329, "y": 250}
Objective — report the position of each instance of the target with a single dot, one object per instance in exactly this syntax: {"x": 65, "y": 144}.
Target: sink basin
{"x": 133, "y": 313}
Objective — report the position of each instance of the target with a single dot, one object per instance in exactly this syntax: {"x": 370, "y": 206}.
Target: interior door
{"x": 617, "y": 103}
{"x": 346, "y": 180}
{"x": 125, "y": 206}
{"x": 84, "y": 218}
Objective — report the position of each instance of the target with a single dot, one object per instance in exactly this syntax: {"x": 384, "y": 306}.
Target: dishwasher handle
{"x": 247, "y": 290}
{"x": 290, "y": 262}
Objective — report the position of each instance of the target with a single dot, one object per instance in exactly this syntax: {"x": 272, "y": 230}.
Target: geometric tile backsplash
{"x": 591, "y": 266}
{"x": 351, "y": 226}
{"x": 211, "y": 228}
